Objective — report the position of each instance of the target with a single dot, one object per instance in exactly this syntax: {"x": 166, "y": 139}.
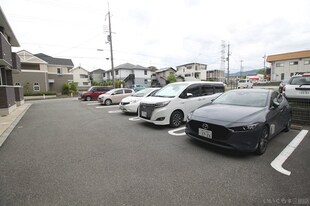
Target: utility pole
{"x": 111, "y": 47}
{"x": 264, "y": 57}
{"x": 241, "y": 68}
{"x": 228, "y": 54}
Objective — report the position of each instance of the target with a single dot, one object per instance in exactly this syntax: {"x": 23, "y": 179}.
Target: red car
{"x": 93, "y": 92}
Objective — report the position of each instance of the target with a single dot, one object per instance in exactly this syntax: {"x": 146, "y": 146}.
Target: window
{"x": 189, "y": 67}
{"x": 120, "y": 91}
{"x": 85, "y": 83}
{"x": 58, "y": 71}
{"x": 116, "y": 72}
{"x": 128, "y": 91}
{"x": 187, "y": 75}
{"x": 279, "y": 65}
{"x": 36, "y": 86}
{"x": 219, "y": 88}
{"x": 206, "y": 90}
{"x": 193, "y": 89}
{"x": 17, "y": 84}
{"x": 103, "y": 74}
{"x": 294, "y": 63}
{"x": 307, "y": 62}
{"x": 145, "y": 72}
{"x": 145, "y": 81}
{"x": 83, "y": 76}
{"x": 282, "y": 76}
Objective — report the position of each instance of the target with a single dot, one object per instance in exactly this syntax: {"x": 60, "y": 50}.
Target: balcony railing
{"x": 5, "y": 51}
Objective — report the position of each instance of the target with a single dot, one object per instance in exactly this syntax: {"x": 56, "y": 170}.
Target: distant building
{"x": 131, "y": 74}
{"x": 81, "y": 76}
{"x": 42, "y": 73}
{"x": 285, "y": 65}
{"x": 216, "y": 75}
{"x": 192, "y": 71}
{"x": 160, "y": 76}
{"x": 96, "y": 75}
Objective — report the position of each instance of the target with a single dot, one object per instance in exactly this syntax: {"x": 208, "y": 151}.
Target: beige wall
{"x": 59, "y": 81}
{"x": 28, "y": 78}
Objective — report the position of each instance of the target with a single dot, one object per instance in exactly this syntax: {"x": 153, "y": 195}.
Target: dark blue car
{"x": 244, "y": 120}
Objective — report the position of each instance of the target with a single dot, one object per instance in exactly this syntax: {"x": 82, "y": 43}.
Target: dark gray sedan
{"x": 241, "y": 119}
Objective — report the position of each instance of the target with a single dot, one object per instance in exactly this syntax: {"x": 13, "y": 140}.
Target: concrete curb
{"x": 9, "y": 122}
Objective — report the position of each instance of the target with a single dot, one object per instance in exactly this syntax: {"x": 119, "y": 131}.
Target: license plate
{"x": 143, "y": 114}
{"x": 205, "y": 133}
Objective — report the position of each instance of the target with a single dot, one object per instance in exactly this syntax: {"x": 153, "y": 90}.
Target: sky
{"x": 161, "y": 33}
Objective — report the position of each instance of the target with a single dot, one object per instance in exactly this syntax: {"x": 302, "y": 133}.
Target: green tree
{"x": 65, "y": 89}
{"x": 171, "y": 78}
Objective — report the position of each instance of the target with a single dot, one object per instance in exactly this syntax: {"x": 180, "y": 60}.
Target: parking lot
{"x": 70, "y": 152}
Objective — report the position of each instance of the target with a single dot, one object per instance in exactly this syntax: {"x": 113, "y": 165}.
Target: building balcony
{"x": 5, "y": 52}
{"x": 16, "y": 63}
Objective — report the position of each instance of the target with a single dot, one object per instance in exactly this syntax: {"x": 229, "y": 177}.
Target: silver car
{"x": 115, "y": 96}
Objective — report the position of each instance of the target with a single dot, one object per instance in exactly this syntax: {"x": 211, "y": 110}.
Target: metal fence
{"x": 300, "y": 111}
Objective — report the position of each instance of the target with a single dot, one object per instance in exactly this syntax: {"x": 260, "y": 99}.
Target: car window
{"x": 207, "y": 90}
{"x": 273, "y": 97}
{"x": 128, "y": 91}
{"x": 120, "y": 91}
{"x": 170, "y": 90}
{"x": 193, "y": 89}
{"x": 219, "y": 88}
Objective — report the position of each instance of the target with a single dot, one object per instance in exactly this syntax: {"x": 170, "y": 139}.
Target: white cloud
{"x": 158, "y": 32}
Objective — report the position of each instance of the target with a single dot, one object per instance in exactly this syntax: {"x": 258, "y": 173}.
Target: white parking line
{"x": 115, "y": 111}
{"x": 106, "y": 107}
{"x": 134, "y": 119}
{"x": 289, "y": 149}
{"x": 93, "y": 103}
{"x": 173, "y": 132}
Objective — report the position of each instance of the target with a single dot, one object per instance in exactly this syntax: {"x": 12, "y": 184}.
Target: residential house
{"x": 42, "y": 73}
{"x": 216, "y": 75}
{"x": 160, "y": 76}
{"x": 97, "y": 75}
{"x": 130, "y": 74}
{"x": 81, "y": 76}
{"x": 192, "y": 71}
{"x": 10, "y": 96}
{"x": 285, "y": 65}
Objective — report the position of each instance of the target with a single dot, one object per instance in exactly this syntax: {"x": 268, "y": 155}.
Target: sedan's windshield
{"x": 244, "y": 98}
{"x": 171, "y": 90}
{"x": 143, "y": 92}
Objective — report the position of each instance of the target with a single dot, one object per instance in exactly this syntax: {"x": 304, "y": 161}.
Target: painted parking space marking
{"x": 288, "y": 150}
{"x": 176, "y": 133}
{"x": 93, "y": 103}
{"x": 106, "y": 107}
{"x": 134, "y": 119}
{"x": 115, "y": 111}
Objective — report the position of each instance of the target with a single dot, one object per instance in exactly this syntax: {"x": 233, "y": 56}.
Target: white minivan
{"x": 172, "y": 103}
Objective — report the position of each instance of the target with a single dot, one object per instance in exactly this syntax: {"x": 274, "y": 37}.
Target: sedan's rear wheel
{"x": 88, "y": 98}
{"x": 263, "y": 141}
{"x": 176, "y": 119}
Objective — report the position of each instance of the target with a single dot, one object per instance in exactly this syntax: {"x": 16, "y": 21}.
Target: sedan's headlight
{"x": 161, "y": 104}
{"x": 244, "y": 128}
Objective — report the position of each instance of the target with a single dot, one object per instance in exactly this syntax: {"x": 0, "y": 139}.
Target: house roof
{"x": 8, "y": 30}
{"x": 164, "y": 69}
{"x": 290, "y": 55}
{"x": 55, "y": 61}
{"x": 97, "y": 71}
{"x": 128, "y": 66}
{"x": 79, "y": 67}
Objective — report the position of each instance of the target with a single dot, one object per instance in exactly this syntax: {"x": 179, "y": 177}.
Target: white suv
{"x": 245, "y": 83}
{"x": 298, "y": 87}
{"x": 172, "y": 103}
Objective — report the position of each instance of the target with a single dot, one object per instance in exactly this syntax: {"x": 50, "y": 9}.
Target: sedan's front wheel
{"x": 263, "y": 141}
{"x": 108, "y": 102}
{"x": 176, "y": 119}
